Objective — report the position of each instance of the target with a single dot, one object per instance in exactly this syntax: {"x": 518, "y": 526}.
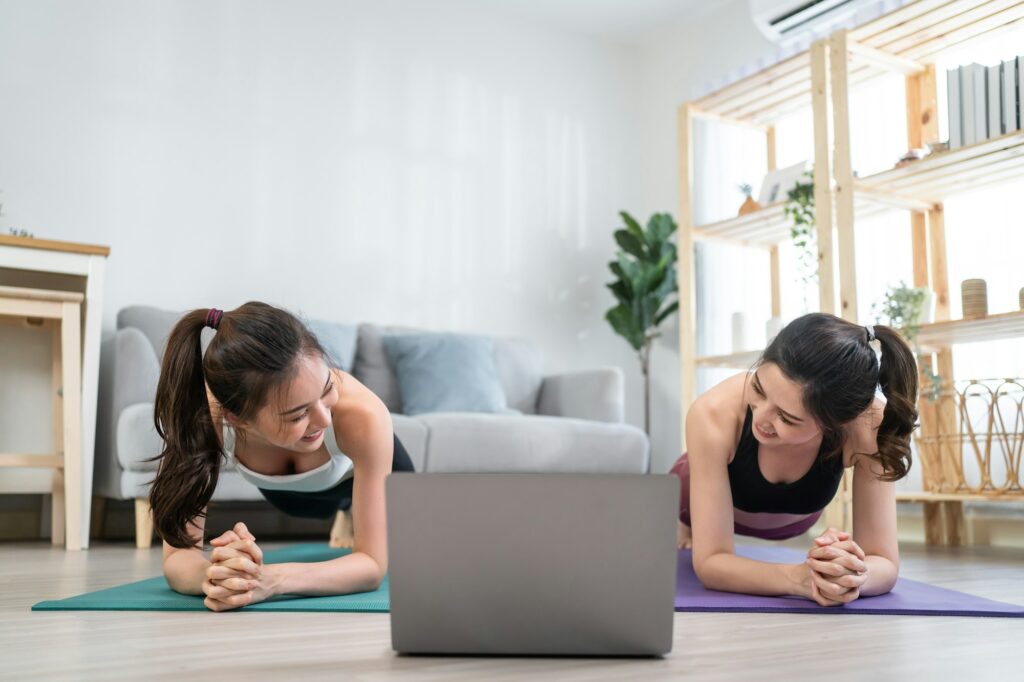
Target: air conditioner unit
{"x": 787, "y": 21}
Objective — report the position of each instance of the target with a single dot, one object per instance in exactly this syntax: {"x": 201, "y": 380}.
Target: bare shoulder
{"x": 358, "y": 414}
{"x": 714, "y": 420}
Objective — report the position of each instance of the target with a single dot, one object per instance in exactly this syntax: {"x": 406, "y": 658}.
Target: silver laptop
{"x": 538, "y": 564}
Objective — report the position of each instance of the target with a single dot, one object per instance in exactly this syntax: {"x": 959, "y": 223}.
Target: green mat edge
{"x": 379, "y": 601}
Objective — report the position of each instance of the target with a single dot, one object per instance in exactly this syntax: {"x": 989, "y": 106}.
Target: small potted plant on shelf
{"x": 749, "y": 205}
{"x": 906, "y": 309}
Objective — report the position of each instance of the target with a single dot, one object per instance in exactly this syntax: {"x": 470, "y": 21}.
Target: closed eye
{"x": 305, "y": 413}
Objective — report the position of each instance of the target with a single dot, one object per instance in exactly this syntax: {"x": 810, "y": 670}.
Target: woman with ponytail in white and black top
{"x": 766, "y": 451}
{"x": 311, "y": 437}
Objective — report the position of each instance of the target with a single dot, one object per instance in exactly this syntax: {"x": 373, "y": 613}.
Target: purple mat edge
{"x": 692, "y": 597}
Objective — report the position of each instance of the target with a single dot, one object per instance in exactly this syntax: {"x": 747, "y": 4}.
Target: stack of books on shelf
{"x": 984, "y": 101}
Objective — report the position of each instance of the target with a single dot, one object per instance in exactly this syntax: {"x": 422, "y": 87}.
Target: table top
{"x": 51, "y": 245}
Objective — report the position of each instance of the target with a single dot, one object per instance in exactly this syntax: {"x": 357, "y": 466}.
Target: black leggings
{"x": 324, "y": 504}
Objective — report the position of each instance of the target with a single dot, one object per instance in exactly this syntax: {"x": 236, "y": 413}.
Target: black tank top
{"x": 751, "y": 492}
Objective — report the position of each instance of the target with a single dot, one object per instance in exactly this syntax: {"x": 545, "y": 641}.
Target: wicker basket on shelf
{"x": 974, "y": 440}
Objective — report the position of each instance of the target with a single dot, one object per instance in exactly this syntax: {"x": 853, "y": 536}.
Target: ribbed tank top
{"x": 329, "y": 474}
{"x": 751, "y": 492}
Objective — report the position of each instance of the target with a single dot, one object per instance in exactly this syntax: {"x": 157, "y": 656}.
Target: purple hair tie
{"x": 213, "y": 318}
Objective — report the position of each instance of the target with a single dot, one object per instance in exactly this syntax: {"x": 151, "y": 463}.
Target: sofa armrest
{"x": 136, "y": 370}
{"x": 597, "y": 395}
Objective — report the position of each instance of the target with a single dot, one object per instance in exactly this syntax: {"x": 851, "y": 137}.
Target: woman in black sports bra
{"x": 766, "y": 451}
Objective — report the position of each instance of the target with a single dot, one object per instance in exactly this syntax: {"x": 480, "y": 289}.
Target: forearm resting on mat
{"x": 882, "y": 574}
{"x": 356, "y": 572}
{"x": 730, "y": 573}
{"x": 185, "y": 570}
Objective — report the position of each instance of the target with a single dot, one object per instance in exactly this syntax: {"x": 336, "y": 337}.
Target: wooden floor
{"x": 257, "y": 646}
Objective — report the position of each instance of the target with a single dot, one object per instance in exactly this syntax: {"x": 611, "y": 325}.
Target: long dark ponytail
{"x": 898, "y": 377}
{"x": 255, "y": 348}
{"x": 832, "y": 359}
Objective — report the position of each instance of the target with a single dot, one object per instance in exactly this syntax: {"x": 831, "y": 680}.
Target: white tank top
{"x": 329, "y": 474}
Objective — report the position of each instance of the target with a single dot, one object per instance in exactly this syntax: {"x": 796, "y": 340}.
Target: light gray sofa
{"x": 568, "y": 422}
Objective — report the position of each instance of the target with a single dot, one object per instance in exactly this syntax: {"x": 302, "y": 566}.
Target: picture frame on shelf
{"x": 778, "y": 183}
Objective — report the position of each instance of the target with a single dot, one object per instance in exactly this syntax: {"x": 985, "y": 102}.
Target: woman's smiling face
{"x": 779, "y": 415}
{"x": 296, "y": 418}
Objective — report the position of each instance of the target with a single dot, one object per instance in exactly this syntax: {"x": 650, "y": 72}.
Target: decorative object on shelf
{"x": 778, "y": 183}
{"x": 974, "y": 294}
{"x": 772, "y": 328}
{"x": 907, "y": 308}
{"x": 749, "y": 205}
{"x": 20, "y": 233}
{"x": 645, "y": 288}
{"x": 983, "y": 101}
{"x": 800, "y": 209}
{"x": 986, "y": 431}
{"x": 740, "y": 332}
{"x": 911, "y": 156}
{"x": 938, "y": 147}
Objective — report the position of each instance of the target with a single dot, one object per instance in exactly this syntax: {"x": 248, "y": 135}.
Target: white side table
{"x": 69, "y": 267}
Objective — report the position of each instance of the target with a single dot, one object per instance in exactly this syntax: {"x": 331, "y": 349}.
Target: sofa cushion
{"x": 520, "y": 368}
{"x": 339, "y": 340}
{"x": 372, "y": 368}
{"x": 491, "y": 443}
{"x": 138, "y": 442}
{"x": 445, "y": 373}
{"x": 155, "y": 323}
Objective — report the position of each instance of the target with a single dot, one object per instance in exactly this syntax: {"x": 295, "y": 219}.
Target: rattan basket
{"x": 972, "y": 438}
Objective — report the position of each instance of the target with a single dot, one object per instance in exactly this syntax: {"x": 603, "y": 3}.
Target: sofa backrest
{"x": 339, "y": 340}
{"x": 520, "y": 367}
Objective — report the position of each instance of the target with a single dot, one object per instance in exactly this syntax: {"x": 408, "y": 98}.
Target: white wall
{"x": 429, "y": 164}
{"x": 678, "y": 61}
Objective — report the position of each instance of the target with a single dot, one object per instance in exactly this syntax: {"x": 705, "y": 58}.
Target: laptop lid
{"x": 548, "y": 564}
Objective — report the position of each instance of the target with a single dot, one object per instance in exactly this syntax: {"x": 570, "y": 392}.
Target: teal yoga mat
{"x": 155, "y": 595}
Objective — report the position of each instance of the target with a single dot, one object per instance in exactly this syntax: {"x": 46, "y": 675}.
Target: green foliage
{"x": 645, "y": 284}
{"x": 745, "y": 189}
{"x": 800, "y": 209}
{"x": 902, "y": 309}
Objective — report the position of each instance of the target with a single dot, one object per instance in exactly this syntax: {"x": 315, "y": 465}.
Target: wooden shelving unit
{"x": 906, "y": 41}
{"x": 940, "y": 335}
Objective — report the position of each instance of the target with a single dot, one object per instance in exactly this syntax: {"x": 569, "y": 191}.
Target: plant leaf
{"x": 632, "y": 225}
{"x": 630, "y": 243}
{"x": 624, "y": 324}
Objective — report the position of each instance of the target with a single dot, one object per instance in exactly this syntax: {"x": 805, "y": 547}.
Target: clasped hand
{"x": 837, "y": 569}
{"x": 235, "y": 577}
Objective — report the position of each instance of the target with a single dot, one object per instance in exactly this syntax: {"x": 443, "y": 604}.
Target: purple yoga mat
{"x": 908, "y": 598}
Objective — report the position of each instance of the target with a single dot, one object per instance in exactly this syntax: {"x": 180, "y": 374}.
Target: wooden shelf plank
{"x": 766, "y": 227}
{"x": 938, "y": 176}
{"x": 991, "y": 328}
{"x": 925, "y": 496}
{"x": 919, "y": 32}
{"x": 51, "y": 245}
{"x": 743, "y": 360}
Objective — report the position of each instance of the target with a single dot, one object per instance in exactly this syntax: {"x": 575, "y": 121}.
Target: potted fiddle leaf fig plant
{"x": 644, "y": 288}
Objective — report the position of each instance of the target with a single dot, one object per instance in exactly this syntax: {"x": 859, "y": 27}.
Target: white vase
{"x": 927, "y": 306}
{"x": 772, "y": 328}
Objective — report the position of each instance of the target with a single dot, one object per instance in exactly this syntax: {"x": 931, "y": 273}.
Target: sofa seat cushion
{"x": 464, "y": 443}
